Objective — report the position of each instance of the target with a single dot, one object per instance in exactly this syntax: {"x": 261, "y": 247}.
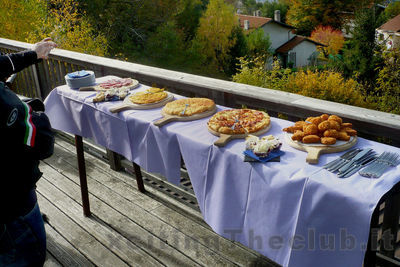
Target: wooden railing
{"x": 43, "y": 77}
{"x": 40, "y": 79}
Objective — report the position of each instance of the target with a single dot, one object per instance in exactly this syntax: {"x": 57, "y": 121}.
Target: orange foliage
{"x": 332, "y": 38}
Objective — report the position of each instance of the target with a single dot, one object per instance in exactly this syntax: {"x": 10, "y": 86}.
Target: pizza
{"x": 117, "y": 84}
{"x": 189, "y": 106}
{"x": 239, "y": 121}
{"x": 151, "y": 95}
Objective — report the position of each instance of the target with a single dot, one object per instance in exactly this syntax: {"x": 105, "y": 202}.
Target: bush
{"x": 388, "y": 83}
{"x": 326, "y": 85}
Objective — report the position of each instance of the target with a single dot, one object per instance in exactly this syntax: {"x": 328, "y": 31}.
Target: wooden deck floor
{"x": 127, "y": 228}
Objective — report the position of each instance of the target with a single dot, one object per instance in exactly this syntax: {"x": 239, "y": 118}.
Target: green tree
{"x": 360, "y": 58}
{"x": 166, "y": 47}
{"x": 239, "y": 49}
{"x": 249, "y": 6}
{"x": 188, "y": 19}
{"x": 213, "y": 38}
{"x": 388, "y": 82}
{"x": 391, "y": 11}
{"x": 259, "y": 44}
{"x": 268, "y": 9}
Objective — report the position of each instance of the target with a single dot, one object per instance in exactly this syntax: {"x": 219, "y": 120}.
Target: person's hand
{"x": 44, "y": 47}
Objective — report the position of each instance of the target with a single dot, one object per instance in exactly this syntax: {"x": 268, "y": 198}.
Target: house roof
{"x": 392, "y": 25}
{"x": 257, "y": 22}
{"x": 292, "y": 43}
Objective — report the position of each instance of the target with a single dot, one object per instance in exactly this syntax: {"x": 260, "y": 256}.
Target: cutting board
{"x": 315, "y": 150}
{"x": 127, "y": 104}
{"x": 225, "y": 138}
{"x": 169, "y": 118}
{"x": 134, "y": 84}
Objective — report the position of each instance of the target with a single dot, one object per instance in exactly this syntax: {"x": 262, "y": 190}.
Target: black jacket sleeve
{"x": 12, "y": 63}
{"x": 23, "y": 129}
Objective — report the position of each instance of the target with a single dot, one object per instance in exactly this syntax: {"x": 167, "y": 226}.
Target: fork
{"x": 382, "y": 163}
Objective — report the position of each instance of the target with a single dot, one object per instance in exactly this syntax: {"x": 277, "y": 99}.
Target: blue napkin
{"x": 78, "y": 74}
{"x": 271, "y": 155}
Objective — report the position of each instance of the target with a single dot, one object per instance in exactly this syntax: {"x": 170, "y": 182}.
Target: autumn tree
{"x": 20, "y": 18}
{"x": 305, "y": 15}
{"x": 333, "y": 39}
{"x": 213, "y": 38}
{"x": 69, "y": 29}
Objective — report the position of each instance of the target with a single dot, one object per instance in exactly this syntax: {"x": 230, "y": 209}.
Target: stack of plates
{"x": 80, "y": 79}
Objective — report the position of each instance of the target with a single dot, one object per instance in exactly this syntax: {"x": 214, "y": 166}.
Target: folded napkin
{"x": 78, "y": 74}
{"x": 272, "y": 156}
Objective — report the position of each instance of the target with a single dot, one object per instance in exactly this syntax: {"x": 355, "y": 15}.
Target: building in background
{"x": 390, "y": 33}
{"x": 293, "y": 50}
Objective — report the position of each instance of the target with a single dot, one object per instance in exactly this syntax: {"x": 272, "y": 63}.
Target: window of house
{"x": 292, "y": 59}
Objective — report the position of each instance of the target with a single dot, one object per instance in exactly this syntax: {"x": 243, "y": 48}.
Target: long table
{"x": 294, "y": 213}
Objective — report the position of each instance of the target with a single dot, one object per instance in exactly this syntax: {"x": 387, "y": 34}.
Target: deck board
{"x": 127, "y": 228}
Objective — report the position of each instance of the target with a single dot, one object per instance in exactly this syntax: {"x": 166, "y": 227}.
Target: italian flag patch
{"x": 30, "y": 129}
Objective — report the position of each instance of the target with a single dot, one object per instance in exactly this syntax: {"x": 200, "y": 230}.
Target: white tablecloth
{"x": 294, "y": 213}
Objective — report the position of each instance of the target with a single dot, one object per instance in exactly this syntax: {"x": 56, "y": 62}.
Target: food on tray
{"x": 261, "y": 147}
{"x": 112, "y": 94}
{"x": 325, "y": 129}
{"x": 189, "y": 106}
{"x": 307, "y": 139}
{"x": 151, "y": 95}
{"x": 117, "y": 83}
{"x": 239, "y": 121}
{"x": 328, "y": 140}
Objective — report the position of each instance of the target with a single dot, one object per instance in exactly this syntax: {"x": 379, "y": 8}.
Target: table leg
{"x": 114, "y": 160}
{"x": 82, "y": 175}
{"x": 139, "y": 177}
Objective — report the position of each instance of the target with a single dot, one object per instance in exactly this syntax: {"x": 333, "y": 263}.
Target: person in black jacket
{"x": 26, "y": 138}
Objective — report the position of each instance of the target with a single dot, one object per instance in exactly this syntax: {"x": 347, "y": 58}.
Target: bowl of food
{"x": 262, "y": 147}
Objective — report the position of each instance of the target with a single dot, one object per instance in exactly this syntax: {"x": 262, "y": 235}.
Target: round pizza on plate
{"x": 239, "y": 121}
{"x": 117, "y": 83}
{"x": 151, "y": 95}
{"x": 188, "y": 106}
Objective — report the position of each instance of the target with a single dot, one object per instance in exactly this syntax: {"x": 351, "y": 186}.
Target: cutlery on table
{"x": 343, "y": 159}
{"x": 382, "y": 163}
{"x": 357, "y": 166}
{"x": 363, "y": 153}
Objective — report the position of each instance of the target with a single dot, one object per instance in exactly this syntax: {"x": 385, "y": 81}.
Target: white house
{"x": 390, "y": 33}
{"x": 293, "y": 50}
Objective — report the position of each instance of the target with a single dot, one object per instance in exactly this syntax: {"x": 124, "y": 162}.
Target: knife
{"x": 361, "y": 154}
{"x": 342, "y": 157}
{"x": 366, "y": 161}
{"x": 341, "y": 163}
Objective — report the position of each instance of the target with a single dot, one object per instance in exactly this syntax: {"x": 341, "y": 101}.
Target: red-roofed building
{"x": 293, "y": 50}
{"x": 390, "y": 32}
